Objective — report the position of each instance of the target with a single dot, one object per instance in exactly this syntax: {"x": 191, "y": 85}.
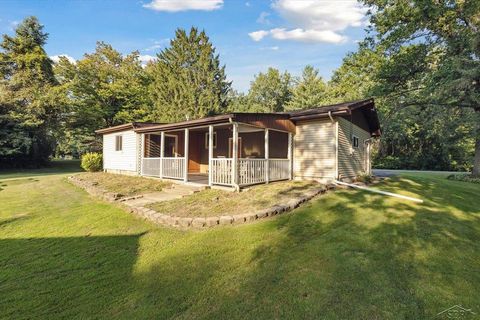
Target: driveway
{"x": 392, "y": 172}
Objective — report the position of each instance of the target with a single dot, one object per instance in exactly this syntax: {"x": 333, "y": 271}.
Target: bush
{"x": 365, "y": 178}
{"x": 464, "y": 177}
{"x": 388, "y": 162}
{"x": 92, "y": 162}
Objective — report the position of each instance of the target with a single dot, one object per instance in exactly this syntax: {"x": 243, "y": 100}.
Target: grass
{"x": 217, "y": 202}
{"x": 123, "y": 184}
{"x": 348, "y": 255}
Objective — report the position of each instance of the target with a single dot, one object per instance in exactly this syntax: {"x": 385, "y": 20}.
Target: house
{"x": 239, "y": 149}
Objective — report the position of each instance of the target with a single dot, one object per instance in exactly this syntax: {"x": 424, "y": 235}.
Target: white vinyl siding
{"x": 315, "y": 150}
{"x": 351, "y": 161}
{"x": 125, "y": 159}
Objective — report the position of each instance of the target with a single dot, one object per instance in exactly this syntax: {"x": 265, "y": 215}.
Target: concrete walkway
{"x": 175, "y": 192}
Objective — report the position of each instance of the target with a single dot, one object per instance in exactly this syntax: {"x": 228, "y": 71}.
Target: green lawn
{"x": 348, "y": 255}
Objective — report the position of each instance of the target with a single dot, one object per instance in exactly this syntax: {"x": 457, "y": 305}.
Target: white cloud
{"x": 146, "y": 58}
{"x": 157, "y": 44}
{"x": 258, "y": 35}
{"x": 56, "y": 58}
{"x": 184, "y": 5}
{"x": 263, "y": 18}
{"x": 247, "y": 4}
{"x": 273, "y": 48}
{"x": 309, "y": 35}
{"x": 315, "y": 20}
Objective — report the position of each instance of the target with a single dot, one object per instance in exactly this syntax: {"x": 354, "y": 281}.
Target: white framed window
{"x": 118, "y": 143}
{"x": 355, "y": 142}
{"x": 207, "y": 135}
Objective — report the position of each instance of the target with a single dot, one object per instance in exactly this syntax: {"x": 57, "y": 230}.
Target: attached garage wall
{"x": 124, "y": 161}
{"x": 350, "y": 164}
{"x": 315, "y": 150}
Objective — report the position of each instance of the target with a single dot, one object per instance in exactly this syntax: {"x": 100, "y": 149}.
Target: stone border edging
{"x": 199, "y": 222}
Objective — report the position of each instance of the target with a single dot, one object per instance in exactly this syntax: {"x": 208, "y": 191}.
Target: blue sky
{"x": 250, "y": 35}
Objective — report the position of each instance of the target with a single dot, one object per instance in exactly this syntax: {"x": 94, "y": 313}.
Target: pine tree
{"x": 28, "y": 103}
{"x": 310, "y": 91}
{"x": 188, "y": 81}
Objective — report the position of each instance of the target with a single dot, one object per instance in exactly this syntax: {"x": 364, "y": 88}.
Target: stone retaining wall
{"x": 198, "y": 222}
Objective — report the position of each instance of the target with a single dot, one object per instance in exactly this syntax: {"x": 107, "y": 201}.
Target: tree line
{"x": 420, "y": 61}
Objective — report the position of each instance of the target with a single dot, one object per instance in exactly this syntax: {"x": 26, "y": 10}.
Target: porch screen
{"x": 152, "y": 146}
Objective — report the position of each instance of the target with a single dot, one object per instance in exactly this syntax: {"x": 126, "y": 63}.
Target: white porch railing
{"x": 279, "y": 169}
{"x": 151, "y": 167}
{"x": 173, "y": 168}
{"x": 221, "y": 171}
{"x": 251, "y": 171}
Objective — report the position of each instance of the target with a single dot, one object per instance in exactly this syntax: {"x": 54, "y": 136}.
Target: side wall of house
{"x": 351, "y": 161}
{"x": 124, "y": 161}
{"x": 315, "y": 150}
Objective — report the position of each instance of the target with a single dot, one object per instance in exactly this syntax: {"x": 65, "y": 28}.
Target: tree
{"x": 310, "y": 91}
{"x": 270, "y": 91}
{"x": 29, "y": 106}
{"x": 432, "y": 49}
{"x": 103, "y": 89}
{"x": 188, "y": 81}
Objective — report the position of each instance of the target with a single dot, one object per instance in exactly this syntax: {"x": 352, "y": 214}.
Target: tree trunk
{"x": 476, "y": 159}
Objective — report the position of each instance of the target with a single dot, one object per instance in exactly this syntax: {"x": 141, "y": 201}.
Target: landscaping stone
{"x": 199, "y": 222}
{"x": 226, "y": 220}
{"x": 185, "y": 222}
{"x": 262, "y": 213}
{"x": 211, "y": 221}
{"x": 239, "y": 218}
{"x": 137, "y": 204}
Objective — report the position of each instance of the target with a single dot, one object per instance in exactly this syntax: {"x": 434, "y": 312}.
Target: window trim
{"x": 214, "y": 140}
{"x": 118, "y": 143}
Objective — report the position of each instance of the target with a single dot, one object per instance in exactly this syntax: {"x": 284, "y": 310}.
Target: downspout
{"x": 330, "y": 116}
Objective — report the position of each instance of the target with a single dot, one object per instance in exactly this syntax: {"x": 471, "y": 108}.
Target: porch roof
{"x": 278, "y": 121}
{"x": 126, "y": 126}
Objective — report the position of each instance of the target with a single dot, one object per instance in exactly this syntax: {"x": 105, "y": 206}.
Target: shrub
{"x": 92, "y": 162}
{"x": 464, "y": 177}
{"x": 365, "y": 178}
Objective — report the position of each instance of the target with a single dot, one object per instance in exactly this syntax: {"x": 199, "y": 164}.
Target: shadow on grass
{"x": 54, "y": 167}
{"x": 66, "y": 278}
{"x": 408, "y": 262}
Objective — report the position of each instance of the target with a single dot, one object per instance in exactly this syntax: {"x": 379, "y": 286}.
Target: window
{"x": 355, "y": 141}
{"x": 214, "y": 140}
{"x": 118, "y": 143}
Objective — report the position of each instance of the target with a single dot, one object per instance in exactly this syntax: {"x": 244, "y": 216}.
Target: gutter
{"x": 396, "y": 195}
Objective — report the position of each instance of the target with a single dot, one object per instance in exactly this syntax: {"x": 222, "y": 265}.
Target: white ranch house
{"x": 240, "y": 149}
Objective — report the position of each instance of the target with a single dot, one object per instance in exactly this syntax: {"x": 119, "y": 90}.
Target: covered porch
{"x": 225, "y": 153}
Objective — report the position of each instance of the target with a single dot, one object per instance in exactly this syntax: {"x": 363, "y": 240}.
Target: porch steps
{"x": 176, "y": 191}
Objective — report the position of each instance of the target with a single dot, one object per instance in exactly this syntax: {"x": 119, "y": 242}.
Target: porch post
{"x": 235, "y": 155}
{"x": 267, "y": 156}
{"x": 142, "y": 152}
{"x": 162, "y": 151}
{"x": 185, "y": 151}
{"x": 290, "y": 155}
{"x": 210, "y": 154}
